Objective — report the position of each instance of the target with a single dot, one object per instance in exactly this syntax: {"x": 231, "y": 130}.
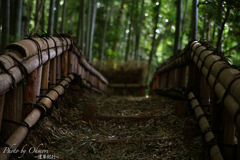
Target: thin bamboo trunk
{"x": 92, "y": 28}
{"x": 51, "y": 17}
{"x": 56, "y": 15}
{"x": 157, "y": 10}
{"x": 63, "y": 16}
{"x": 88, "y": 28}
{"x": 104, "y": 35}
{"x": 5, "y": 24}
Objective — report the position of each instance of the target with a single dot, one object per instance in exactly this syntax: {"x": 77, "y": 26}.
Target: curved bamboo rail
{"x": 32, "y": 57}
{"x": 206, "y": 68}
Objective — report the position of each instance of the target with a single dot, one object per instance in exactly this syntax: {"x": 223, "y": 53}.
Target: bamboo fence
{"x": 200, "y": 70}
{"x": 34, "y": 72}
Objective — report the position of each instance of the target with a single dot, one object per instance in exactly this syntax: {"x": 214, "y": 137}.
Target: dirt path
{"x": 64, "y": 134}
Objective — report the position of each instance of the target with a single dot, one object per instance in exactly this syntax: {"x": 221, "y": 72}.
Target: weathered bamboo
{"x": 70, "y": 61}
{"x": 53, "y": 72}
{"x": 19, "y": 135}
{"x": 13, "y": 111}
{"x": 113, "y": 85}
{"x": 215, "y": 153}
{"x": 2, "y": 99}
{"x": 58, "y": 69}
{"x": 181, "y": 76}
{"x": 39, "y": 80}
{"x": 64, "y": 65}
{"x": 229, "y": 135}
{"x": 45, "y": 75}
{"x": 230, "y": 103}
{"x": 28, "y": 47}
{"x": 29, "y": 93}
{"x": 194, "y": 79}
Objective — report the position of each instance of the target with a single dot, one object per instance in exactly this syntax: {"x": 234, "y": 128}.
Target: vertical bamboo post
{"x": 204, "y": 95}
{"x": 194, "y": 79}
{"x": 13, "y": 110}
{"x": 2, "y": 99}
{"x": 39, "y": 79}
{"x": 64, "y": 65}
{"x": 215, "y": 112}
{"x": 59, "y": 60}
{"x": 167, "y": 79}
{"x": 229, "y": 135}
{"x": 181, "y": 77}
{"x": 53, "y": 74}
{"x": 79, "y": 70}
{"x": 45, "y": 75}
{"x": 70, "y": 61}
{"x": 30, "y": 92}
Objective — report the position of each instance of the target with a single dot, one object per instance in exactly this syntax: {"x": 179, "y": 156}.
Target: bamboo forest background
{"x": 124, "y": 30}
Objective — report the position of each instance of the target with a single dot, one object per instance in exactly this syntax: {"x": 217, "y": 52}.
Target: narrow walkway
{"x": 157, "y": 134}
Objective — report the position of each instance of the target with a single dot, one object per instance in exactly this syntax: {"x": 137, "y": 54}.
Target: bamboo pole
{"x": 29, "y": 93}
{"x": 2, "y": 100}
{"x": 229, "y": 135}
{"x": 53, "y": 72}
{"x": 181, "y": 76}
{"x": 21, "y": 132}
{"x": 39, "y": 80}
{"x": 70, "y": 61}
{"x": 215, "y": 153}
{"x": 45, "y": 75}
{"x": 64, "y": 65}
{"x": 58, "y": 69}
{"x": 13, "y": 111}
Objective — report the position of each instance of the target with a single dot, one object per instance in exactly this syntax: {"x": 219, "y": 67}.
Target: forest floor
{"x": 65, "y": 135}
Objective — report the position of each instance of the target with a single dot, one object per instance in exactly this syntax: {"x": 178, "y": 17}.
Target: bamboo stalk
{"x": 13, "y": 111}
{"x": 215, "y": 153}
{"x": 45, "y": 75}
{"x": 53, "y": 72}
{"x": 20, "y": 134}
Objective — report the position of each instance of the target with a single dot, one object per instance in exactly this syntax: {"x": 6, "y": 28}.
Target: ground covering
{"x": 64, "y": 134}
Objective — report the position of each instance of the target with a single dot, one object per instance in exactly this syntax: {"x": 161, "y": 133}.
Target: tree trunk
{"x": 104, "y": 34}
{"x": 83, "y": 25}
{"x": 51, "y": 17}
{"x": 92, "y": 29}
{"x": 178, "y": 27}
{"x": 38, "y": 16}
{"x": 157, "y": 11}
{"x": 5, "y": 23}
{"x": 88, "y": 28}
{"x": 183, "y": 22}
{"x": 194, "y": 20}
{"x": 128, "y": 42}
{"x": 80, "y": 28}
{"x": 139, "y": 33}
{"x": 42, "y": 21}
{"x": 12, "y": 21}
{"x": 56, "y": 15}
{"x": 63, "y": 16}
{"x": 29, "y": 12}
{"x": 136, "y": 30}
{"x": 219, "y": 42}
{"x": 23, "y": 19}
